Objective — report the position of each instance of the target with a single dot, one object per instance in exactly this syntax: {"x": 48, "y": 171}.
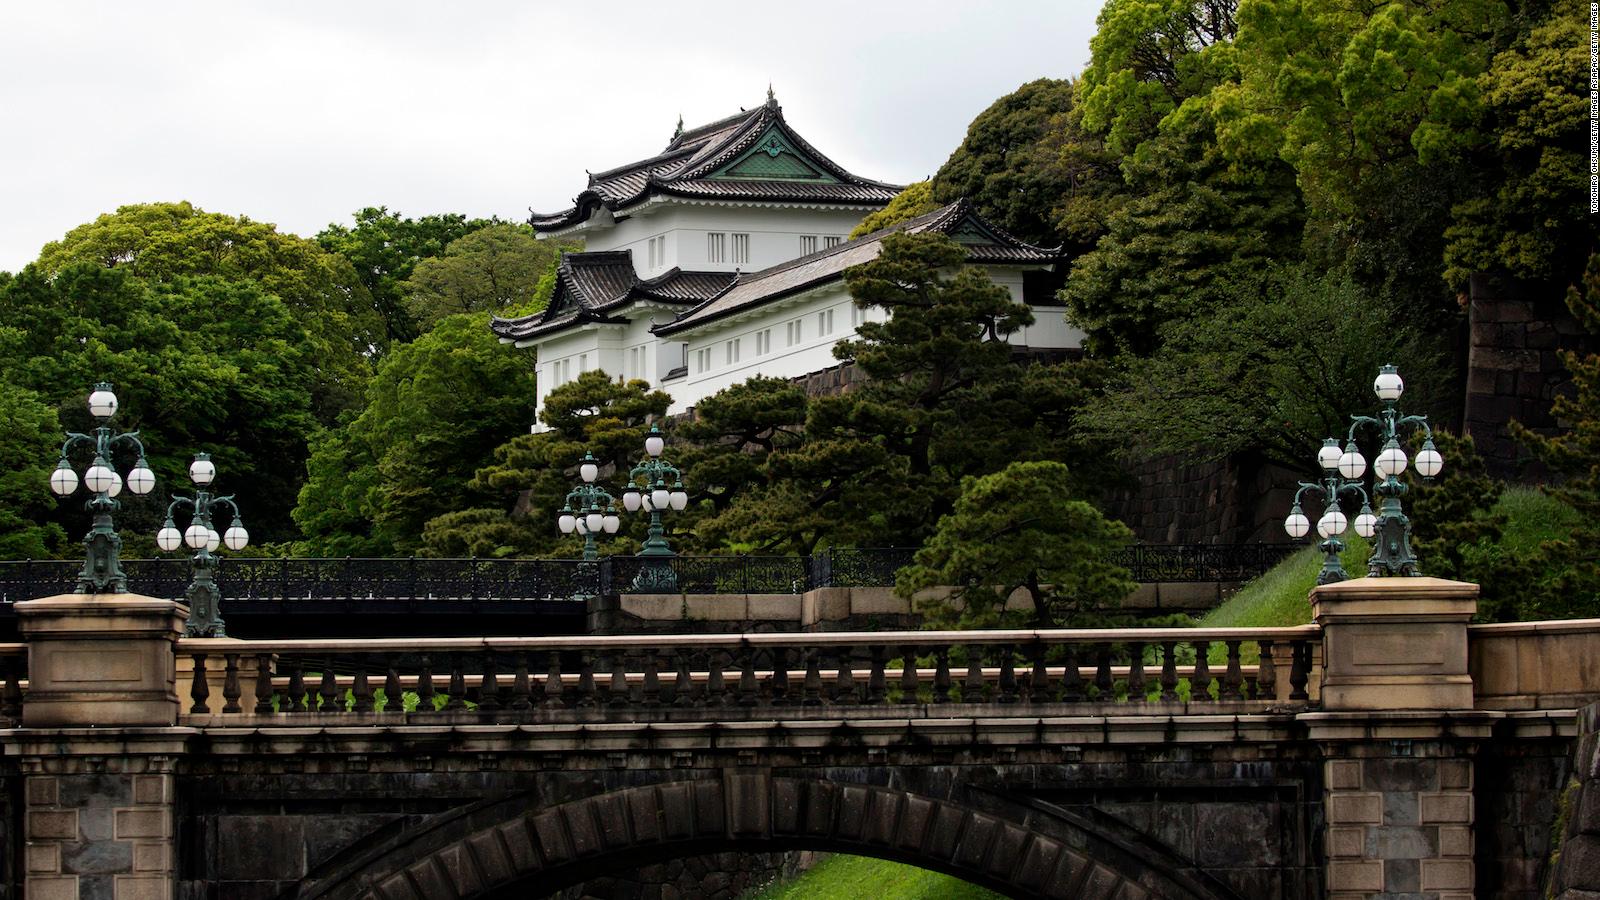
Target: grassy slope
{"x": 1280, "y": 596}
{"x": 857, "y": 877}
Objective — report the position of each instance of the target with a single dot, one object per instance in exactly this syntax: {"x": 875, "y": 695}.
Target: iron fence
{"x": 453, "y": 580}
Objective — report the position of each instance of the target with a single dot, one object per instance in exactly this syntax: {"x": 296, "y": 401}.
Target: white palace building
{"x": 723, "y": 257}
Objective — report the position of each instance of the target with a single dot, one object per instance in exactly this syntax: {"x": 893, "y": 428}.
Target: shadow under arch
{"x": 504, "y": 849}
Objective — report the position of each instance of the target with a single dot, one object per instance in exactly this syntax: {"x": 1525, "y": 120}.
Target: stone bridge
{"x": 1388, "y": 750}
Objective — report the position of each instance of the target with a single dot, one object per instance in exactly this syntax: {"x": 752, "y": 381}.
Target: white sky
{"x": 300, "y": 113}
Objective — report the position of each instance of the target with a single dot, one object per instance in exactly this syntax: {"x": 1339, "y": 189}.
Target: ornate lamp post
{"x": 102, "y": 564}
{"x": 584, "y": 512}
{"x": 205, "y": 599}
{"x": 1392, "y": 555}
{"x": 1333, "y": 523}
{"x": 654, "y": 486}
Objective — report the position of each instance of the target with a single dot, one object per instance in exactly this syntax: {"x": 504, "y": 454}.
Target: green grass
{"x": 1281, "y": 596}
{"x": 859, "y": 877}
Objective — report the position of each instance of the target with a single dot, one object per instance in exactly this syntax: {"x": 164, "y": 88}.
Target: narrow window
{"x": 825, "y": 322}
{"x": 716, "y": 247}
{"x": 735, "y": 349}
{"x": 741, "y": 249}
{"x": 832, "y": 240}
{"x": 808, "y": 244}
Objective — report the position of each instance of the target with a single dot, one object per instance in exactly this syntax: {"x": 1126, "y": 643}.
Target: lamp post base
{"x": 656, "y": 576}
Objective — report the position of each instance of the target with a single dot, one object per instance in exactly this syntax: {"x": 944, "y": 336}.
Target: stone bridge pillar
{"x": 1398, "y": 733}
{"x": 100, "y": 748}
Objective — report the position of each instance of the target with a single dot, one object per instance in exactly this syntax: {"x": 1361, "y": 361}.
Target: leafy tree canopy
{"x": 436, "y": 410}
{"x": 199, "y": 363}
{"x": 27, "y": 448}
{"x": 498, "y": 268}
{"x": 1274, "y": 370}
{"x": 159, "y": 242}
{"x": 384, "y": 247}
{"x": 1017, "y": 530}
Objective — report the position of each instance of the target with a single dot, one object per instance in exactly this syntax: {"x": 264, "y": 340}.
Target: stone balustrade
{"x": 529, "y": 678}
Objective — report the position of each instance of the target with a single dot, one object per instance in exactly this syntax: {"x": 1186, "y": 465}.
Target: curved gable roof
{"x": 984, "y": 242}
{"x": 705, "y": 163}
{"x": 590, "y": 286}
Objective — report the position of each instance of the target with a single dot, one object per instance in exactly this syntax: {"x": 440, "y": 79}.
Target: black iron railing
{"x": 411, "y": 578}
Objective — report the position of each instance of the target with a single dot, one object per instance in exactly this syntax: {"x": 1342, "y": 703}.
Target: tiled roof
{"x": 984, "y": 243}
{"x": 590, "y": 285}
{"x": 691, "y": 163}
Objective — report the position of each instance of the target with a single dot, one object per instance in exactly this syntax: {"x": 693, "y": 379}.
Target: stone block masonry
{"x": 98, "y": 829}
{"x": 1400, "y": 821}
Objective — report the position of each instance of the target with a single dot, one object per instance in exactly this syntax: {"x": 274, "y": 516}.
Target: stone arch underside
{"x": 512, "y": 848}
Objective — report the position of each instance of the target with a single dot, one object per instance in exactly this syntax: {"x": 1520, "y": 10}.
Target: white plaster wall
{"x": 774, "y": 234}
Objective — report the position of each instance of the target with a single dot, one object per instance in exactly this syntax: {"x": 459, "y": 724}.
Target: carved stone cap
{"x": 105, "y": 615}
{"x": 1395, "y": 596}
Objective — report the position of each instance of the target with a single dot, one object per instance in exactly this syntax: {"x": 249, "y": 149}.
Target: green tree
{"x": 27, "y": 449}
{"x": 915, "y": 200}
{"x": 1274, "y": 370}
{"x": 200, "y": 363}
{"x": 384, "y": 247}
{"x": 529, "y": 475}
{"x": 498, "y": 268}
{"x": 160, "y": 242}
{"x": 436, "y": 410}
{"x": 1193, "y": 225}
{"x": 1017, "y": 530}
{"x": 1528, "y": 217}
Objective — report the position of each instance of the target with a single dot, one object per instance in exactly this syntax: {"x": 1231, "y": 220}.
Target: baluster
{"x": 328, "y": 689}
{"x": 1234, "y": 677}
{"x": 780, "y": 676}
{"x": 1169, "y": 671}
{"x": 877, "y": 687}
{"x": 748, "y": 689}
{"x": 297, "y": 685}
{"x": 1300, "y": 670}
{"x": 941, "y": 675}
{"x": 1200, "y": 681}
{"x": 910, "y": 681}
{"x": 230, "y": 683}
{"x": 361, "y": 690}
{"x": 813, "y": 678}
{"x": 264, "y": 684}
{"x": 683, "y": 687}
{"x": 1072, "y": 690}
{"x": 1267, "y": 677}
{"x": 521, "y": 686}
{"x": 1102, "y": 674}
{"x": 716, "y": 690}
{"x": 844, "y": 682}
{"x": 394, "y": 696}
{"x": 425, "y": 685}
{"x": 458, "y": 683}
{"x": 1008, "y": 674}
{"x": 586, "y": 698}
{"x": 1136, "y": 685}
{"x": 651, "y": 692}
{"x": 552, "y": 682}
{"x": 199, "y": 690}
{"x": 618, "y": 693}
{"x": 1039, "y": 680}
{"x": 972, "y": 685}
{"x": 489, "y": 687}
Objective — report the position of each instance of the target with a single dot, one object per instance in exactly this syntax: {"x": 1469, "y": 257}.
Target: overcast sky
{"x": 300, "y": 113}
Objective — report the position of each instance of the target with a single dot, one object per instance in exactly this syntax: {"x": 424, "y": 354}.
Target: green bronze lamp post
{"x": 1333, "y": 522}
{"x": 205, "y": 599}
{"x": 102, "y": 565}
{"x": 654, "y": 486}
{"x": 589, "y": 509}
{"x": 1392, "y": 554}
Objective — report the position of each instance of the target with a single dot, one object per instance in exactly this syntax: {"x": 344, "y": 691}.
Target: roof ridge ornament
{"x": 772, "y": 99}
{"x": 678, "y": 133}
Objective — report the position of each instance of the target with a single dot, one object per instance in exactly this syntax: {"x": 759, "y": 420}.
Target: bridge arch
{"x": 1020, "y": 848}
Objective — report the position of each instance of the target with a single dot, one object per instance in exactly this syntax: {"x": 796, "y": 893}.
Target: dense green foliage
{"x": 31, "y": 436}
{"x": 498, "y": 268}
{"x": 436, "y": 410}
{"x": 915, "y": 200}
{"x": 1016, "y": 530}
